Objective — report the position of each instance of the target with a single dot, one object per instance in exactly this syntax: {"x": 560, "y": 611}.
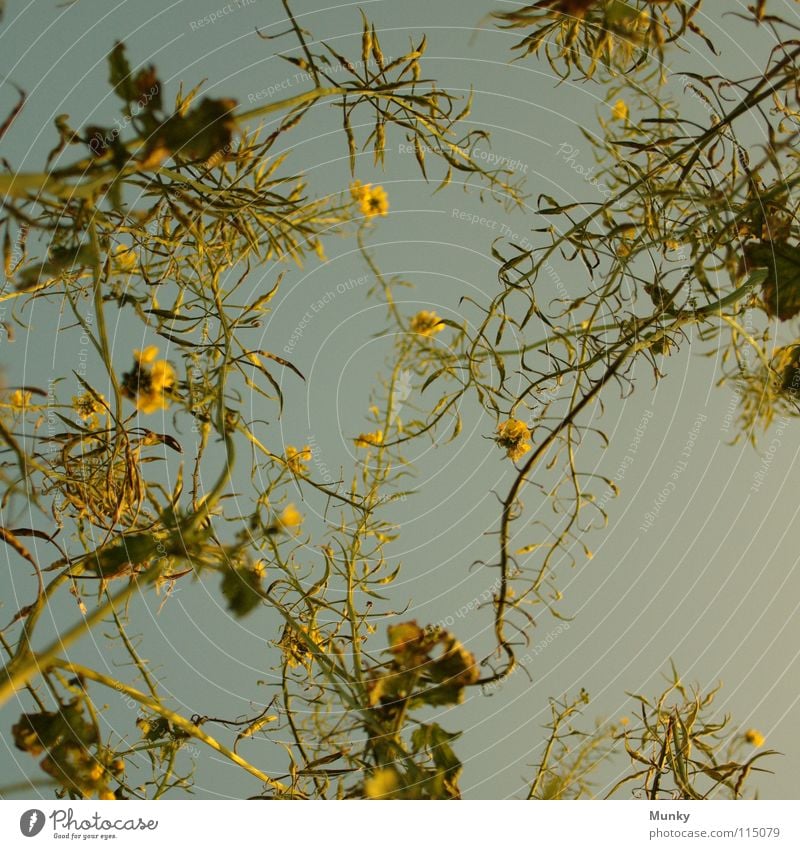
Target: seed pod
{"x": 786, "y": 363}
{"x": 380, "y": 141}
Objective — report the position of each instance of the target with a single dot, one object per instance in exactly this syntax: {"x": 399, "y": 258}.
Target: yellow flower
{"x": 754, "y": 738}
{"x": 426, "y": 323}
{"x": 365, "y": 440}
{"x": 124, "y": 258}
{"x": 20, "y": 398}
{"x": 619, "y": 111}
{"x": 149, "y": 381}
{"x": 513, "y": 435}
{"x": 372, "y": 200}
{"x": 627, "y": 235}
{"x": 88, "y": 407}
{"x": 295, "y": 649}
{"x": 146, "y": 356}
{"x": 290, "y": 517}
{"x": 296, "y": 459}
{"x": 356, "y": 189}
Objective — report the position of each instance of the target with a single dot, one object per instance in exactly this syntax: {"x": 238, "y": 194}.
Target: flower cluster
{"x": 289, "y": 518}
{"x": 20, "y": 399}
{"x": 372, "y": 200}
{"x": 619, "y": 111}
{"x": 365, "y": 440}
{"x": 124, "y": 259}
{"x": 426, "y": 323}
{"x": 296, "y": 651}
{"x": 88, "y": 407}
{"x": 513, "y": 435}
{"x": 66, "y": 739}
{"x": 150, "y": 381}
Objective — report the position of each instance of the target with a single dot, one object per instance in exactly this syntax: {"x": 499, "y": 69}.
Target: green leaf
{"x": 120, "y": 73}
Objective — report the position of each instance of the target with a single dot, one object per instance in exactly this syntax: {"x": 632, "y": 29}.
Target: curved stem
{"x": 174, "y": 718}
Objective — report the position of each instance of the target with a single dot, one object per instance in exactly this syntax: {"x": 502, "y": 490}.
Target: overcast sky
{"x": 708, "y": 581}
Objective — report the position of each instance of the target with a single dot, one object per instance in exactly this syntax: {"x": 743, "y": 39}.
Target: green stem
{"x": 20, "y": 671}
{"x": 175, "y": 719}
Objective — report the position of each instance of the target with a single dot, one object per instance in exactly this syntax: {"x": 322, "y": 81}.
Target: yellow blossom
{"x": 372, "y": 200}
{"x": 88, "y": 407}
{"x": 147, "y": 355}
{"x": 20, "y": 398}
{"x": 513, "y": 435}
{"x": 426, "y": 323}
{"x": 124, "y": 258}
{"x": 290, "y": 517}
{"x": 161, "y": 376}
{"x": 365, "y": 440}
{"x": 754, "y": 737}
{"x": 619, "y": 111}
{"x": 296, "y": 458}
